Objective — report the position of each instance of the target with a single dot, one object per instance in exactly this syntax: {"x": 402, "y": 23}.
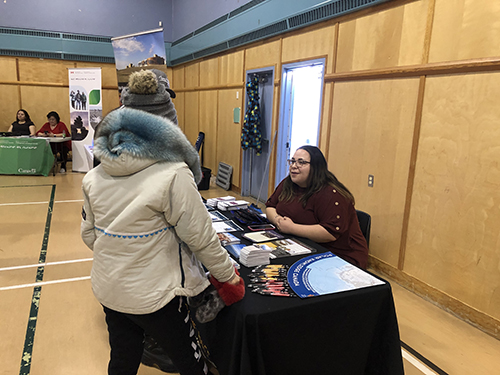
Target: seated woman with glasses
{"x": 310, "y": 202}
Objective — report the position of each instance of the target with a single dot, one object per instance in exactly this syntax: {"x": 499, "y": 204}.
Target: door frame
{"x": 247, "y": 154}
{"x": 281, "y": 167}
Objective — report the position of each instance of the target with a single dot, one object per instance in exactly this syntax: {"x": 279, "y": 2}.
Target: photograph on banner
{"x": 85, "y": 113}
{"x": 144, "y": 50}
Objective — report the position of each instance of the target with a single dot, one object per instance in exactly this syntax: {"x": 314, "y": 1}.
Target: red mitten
{"x": 229, "y": 293}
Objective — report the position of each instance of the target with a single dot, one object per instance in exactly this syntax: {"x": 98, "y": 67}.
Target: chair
{"x": 365, "y": 223}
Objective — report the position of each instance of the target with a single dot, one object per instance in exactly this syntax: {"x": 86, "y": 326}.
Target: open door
{"x": 300, "y": 112}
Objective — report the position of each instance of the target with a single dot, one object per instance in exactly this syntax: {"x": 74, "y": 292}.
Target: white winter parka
{"x": 145, "y": 221}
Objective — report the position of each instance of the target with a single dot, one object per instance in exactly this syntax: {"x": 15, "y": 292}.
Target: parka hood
{"x": 128, "y": 140}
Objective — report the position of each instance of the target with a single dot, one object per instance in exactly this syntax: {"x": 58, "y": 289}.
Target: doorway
{"x": 255, "y": 168}
{"x": 300, "y": 109}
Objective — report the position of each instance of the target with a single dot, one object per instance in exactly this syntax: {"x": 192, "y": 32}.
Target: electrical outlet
{"x": 370, "y": 180}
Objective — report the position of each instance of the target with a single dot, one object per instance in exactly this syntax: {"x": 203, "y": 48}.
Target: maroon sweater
{"x": 332, "y": 211}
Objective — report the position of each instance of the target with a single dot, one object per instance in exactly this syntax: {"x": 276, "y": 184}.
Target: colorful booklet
{"x": 286, "y": 247}
{"x": 228, "y": 239}
{"x": 235, "y": 249}
{"x": 263, "y": 236}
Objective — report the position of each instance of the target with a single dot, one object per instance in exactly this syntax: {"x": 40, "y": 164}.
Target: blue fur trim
{"x": 144, "y": 136}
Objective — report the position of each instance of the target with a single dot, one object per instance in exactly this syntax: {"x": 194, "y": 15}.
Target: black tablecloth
{"x": 346, "y": 333}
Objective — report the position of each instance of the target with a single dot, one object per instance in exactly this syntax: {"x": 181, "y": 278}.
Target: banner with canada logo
{"x": 85, "y": 104}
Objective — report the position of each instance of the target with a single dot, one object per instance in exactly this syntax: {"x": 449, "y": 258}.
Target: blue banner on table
{"x": 144, "y": 50}
{"x": 326, "y": 273}
{"x": 85, "y": 113}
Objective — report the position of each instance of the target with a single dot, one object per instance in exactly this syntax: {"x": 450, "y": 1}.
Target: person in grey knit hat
{"x": 149, "y": 90}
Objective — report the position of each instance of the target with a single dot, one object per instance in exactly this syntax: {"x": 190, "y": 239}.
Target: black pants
{"x": 62, "y": 149}
{"x": 170, "y": 327}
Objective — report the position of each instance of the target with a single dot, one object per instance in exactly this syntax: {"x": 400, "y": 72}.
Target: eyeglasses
{"x": 300, "y": 163}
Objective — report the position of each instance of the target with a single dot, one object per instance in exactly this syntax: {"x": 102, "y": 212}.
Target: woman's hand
{"x": 285, "y": 224}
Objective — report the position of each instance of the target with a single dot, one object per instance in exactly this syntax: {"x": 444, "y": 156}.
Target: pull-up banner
{"x": 85, "y": 109}
{"x": 144, "y": 50}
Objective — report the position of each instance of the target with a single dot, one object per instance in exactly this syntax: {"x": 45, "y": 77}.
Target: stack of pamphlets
{"x": 232, "y": 205}
{"x": 212, "y": 202}
{"x": 228, "y": 239}
{"x": 252, "y": 256}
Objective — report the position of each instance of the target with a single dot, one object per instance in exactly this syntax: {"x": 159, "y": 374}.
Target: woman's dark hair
{"x": 54, "y": 114}
{"x": 26, "y": 115}
{"x": 319, "y": 176}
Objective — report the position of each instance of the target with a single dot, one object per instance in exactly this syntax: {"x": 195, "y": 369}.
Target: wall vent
{"x": 211, "y": 24}
{"x": 44, "y": 34}
{"x": 210, "y": 50}
{"x": 247, "y": 6}
{"x": 36, "y": 54}
{"x": 182, "y": 60}
{"x": 270, "y": 30}
{"x": 327, "y": 11}
{"x": 224, "y": 174}
{"x": 89, "y": 58}
{"x": 183, "y": 39}
{"x": 88, "y": 38}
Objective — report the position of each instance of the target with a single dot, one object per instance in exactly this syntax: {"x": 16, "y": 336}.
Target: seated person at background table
{"x": 55, "y": 128}
{"x": 310, "y": 202}
{"x": 23, "y": 124}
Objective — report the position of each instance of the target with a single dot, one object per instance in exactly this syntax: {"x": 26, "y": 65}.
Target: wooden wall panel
{"x": 191, "y": 116}
{"x": 108, "y": 73}
{"x": 309, "y": 45}
{"x": 209, "y": 72}
{"x": 110, "y": 100}
{"x": 465, "y": 29}
{"x": 231, "y": 68}
{"x": 229, "y": 133}
{"x": 454, "y": 238}
{"x": 192, "y": 75}
{"x": 43, "y": 70}
{"x": 179, "y": 107}
{"x": 268, "y": 54}
{"x": 40, "y": 100}
{"x": 8, "y": 70}
{"x": 208, "y": 125}
{"x": 178, "y": 81}
{"x": 9, "y": 99}
{"x": 371, "y": 133}
{"x": 393, "y": 37}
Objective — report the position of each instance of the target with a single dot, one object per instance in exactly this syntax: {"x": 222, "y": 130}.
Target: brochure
{"x": 228, "y": 239}
{"x": 235, "y": 249}
{"x": 217, "y": 216}
{"x": 286, "y": 247}
{"x": 226, "y": 226}
{"x": 263, "y": 236}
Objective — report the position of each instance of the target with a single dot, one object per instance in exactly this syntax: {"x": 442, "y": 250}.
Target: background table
{"x": 346, "y": 333}
{"x": 25, "y": 156}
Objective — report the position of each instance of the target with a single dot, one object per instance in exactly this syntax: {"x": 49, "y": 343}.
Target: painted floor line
{"x": 416, "y": 363}
{"x": 46, "y": 202}
{"x": 45, "y": 264}
{"x": 42, "y": 283}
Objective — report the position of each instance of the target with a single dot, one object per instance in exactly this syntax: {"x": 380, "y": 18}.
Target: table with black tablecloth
{"x": 346, "y": 333}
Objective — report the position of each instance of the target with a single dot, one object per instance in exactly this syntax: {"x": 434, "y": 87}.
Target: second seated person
{"x": 54, "y": 127}
{"x": 312, "y": 203}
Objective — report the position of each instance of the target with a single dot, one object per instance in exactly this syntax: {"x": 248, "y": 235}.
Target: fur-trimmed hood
{"x": 129, "y": 140}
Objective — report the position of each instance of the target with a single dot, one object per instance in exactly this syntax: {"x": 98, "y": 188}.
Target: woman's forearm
{"x": 315, "y": 232}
